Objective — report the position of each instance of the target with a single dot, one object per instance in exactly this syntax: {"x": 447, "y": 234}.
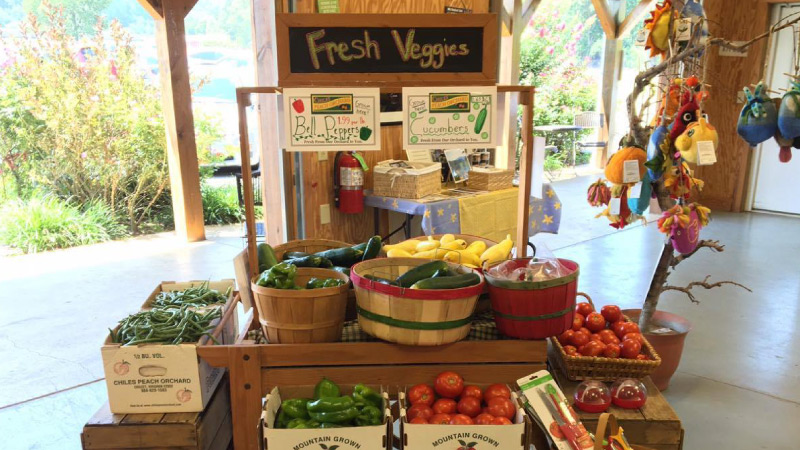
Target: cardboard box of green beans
{"x": 150, "y": 358}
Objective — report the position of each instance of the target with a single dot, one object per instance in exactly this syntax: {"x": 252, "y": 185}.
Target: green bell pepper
{"x": 330, "y": 404}
{"x": 296, "y": 408}
{"x": 282, "y": 420}
{"x": 369, "y": 415}
{"x": 280, "y": 276}
{"x": 332, "y": 282}
{"x": 367, "y": 396}
{"x": 296, "y": 424}
{"x": 314, "y": 283}
{"x": 326, "y": 388}
{"x": 340, "y": 416}
{"x": 329, "y": 425}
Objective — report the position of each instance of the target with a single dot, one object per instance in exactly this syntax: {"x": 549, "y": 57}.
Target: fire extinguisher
{"x": 348, "y": 182}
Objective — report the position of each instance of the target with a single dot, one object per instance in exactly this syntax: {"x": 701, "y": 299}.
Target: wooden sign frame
{"x": 488, "y": 22}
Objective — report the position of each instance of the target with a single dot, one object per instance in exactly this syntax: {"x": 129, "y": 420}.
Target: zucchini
{"x": 420, "y": 272}
{"x": 266, "y": 257}
{"x": 310, "y": 261}
{"x": 451, "y": 282}
{"x": 373, "y": 248}
{"x": 293, "y": 255}
{"x": 344, "y": 270}
{"x": 360, "y": 247}
{"x": 344, "y": 257}
{"x": 381, "y": 280}
{"x": 442, "y": 273}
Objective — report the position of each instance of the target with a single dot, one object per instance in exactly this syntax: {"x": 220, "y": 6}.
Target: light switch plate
{"x": 322, "y": 156}
{"x": 324, "y": 214}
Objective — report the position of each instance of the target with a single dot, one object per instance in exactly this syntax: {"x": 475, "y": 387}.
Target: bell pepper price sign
{"x": 330, "y": 119}
{"x": 449, "y": 117}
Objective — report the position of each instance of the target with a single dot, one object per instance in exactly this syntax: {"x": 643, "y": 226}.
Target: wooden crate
{"x": 210, "y": 429}
{"x": 655, "y": 425}
{"x": 490, "y": 181}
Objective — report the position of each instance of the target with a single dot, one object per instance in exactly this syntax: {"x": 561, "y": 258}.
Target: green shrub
{"x": 221, "y": 205}
{"x": 46, "y": 222}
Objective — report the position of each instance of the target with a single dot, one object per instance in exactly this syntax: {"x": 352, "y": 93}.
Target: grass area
{"x": 221, "y": 205}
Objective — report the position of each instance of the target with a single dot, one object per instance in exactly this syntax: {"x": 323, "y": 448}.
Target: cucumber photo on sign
{"x": 481, "y": 120}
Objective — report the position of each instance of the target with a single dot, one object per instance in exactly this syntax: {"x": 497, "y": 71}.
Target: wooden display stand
{"x": 655, "y": 425}
{"x": 206, "y": 430}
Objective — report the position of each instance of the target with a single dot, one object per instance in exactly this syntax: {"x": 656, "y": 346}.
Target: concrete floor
{"x": 738, "y": 386}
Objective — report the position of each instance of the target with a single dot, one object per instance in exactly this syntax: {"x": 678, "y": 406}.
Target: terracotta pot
{"x": 668, "y": 346}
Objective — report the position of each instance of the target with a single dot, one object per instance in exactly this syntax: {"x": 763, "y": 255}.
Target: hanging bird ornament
{"x": 696, "y": 132}
{"x": 758, "y": 120}
{"x": 683, "y": 224}
{"x": 789, "y": 112}
{"x": 621, "y": 184}
{"x": 658, "y": 29}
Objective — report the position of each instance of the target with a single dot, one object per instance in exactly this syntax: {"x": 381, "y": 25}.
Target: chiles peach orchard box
{"x": 465, "y": 437}
{"x": 376, "y": 437}
{"x": 158, "y": 378}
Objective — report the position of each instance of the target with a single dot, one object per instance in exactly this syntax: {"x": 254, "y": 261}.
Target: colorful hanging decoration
{"x": 789, "y": 112}
{"x": 658, "y": 27}
{"x": 669, "y": 102}
{"x": 598, "y": 194}
{"x": 657, "y": 152}
{"x": 758, "y": 120}
{"x": 693, "y": 11}
{"x": 686, "y": 115}
{"x": 683, "y": 224}
{"x": 639, "y": 205}
{"x": 680, "y": 182}
{"x": 696, "y": 132}
{"x": 785, "y": 154}
{"x": 695, "y": 88}
{"x": 615, "y": 174}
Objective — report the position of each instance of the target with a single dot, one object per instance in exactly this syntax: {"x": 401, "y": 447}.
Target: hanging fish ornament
{"x": 696, "y": 132}
{"x": 658, "y": 27}
{"x": 657, "y": 152}
{"x": 638, "y": 205}
{"x": 598, "y": 194}
{"x": 789, "y": 112}
{"x": 758, "y": 120}
{"x": 686, "y": 115}
{"x": 683, "y": 224}
{"x": 785, "y": 154}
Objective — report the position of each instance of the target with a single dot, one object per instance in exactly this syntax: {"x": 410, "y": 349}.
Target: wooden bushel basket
{"x": 289, "y": 316}
{"x": 412, "y": 316}
{"x": 308, "y": 246}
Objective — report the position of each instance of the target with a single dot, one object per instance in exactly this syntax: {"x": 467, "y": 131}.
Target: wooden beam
{"x": 176, "y": 97}
{"x": 607, "y": 20}
{"x": 633, "y": 17}
{"x": 528, "y": 11}
{"x": 612, "y": 68}
{"x": 153, "y": 7}
{"x": 263, "y": 14}
{"x": 525, "y": 168}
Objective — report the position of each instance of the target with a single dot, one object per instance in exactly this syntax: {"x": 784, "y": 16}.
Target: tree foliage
{"x": 79, "y": 16}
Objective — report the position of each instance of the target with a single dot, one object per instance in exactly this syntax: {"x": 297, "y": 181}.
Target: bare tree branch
{"x": 706, "y": 243}
{"x": 704, "y": 284}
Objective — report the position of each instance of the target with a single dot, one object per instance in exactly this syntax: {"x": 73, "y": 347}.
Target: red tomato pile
{"x": 458, "y": 404}
{"x": 602, "y": 334}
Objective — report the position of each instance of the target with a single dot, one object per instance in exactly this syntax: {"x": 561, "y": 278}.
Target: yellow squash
{"x": 436, "y": 253}
{"x": 430, "y": 244}
{"x": 498, "y": 252}
{"x": 409, "y": 246}
{"x": 462, "y": 257}
{"x": 447, "y": 238}
{"x": 457, "y": 244}
{"x": 398, "y": 253}
{"x": 477, "y": 247}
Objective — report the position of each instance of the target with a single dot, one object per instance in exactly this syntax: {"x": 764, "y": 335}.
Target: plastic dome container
{"x": 628, "y": 393}
{"x": 592, "y": 396}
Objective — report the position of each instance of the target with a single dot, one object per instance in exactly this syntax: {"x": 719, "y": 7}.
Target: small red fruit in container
{"x": 592, "y": 396}
{"x": 628, "y": 393}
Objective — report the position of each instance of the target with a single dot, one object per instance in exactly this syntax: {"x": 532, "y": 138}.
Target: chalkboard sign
{"x": 392, "y": 48}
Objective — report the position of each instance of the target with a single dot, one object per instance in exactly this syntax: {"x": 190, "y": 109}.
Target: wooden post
{"x": 525, "y": 167}
{"x": 272, "y": 163}
{"x": 245, "y": 380}
{"x": 176, "y": 97}
{"x": 242, "y": 102}
{"x": 612, "y": 67}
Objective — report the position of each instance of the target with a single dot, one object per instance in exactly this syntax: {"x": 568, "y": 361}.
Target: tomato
{"x": 571, "y": 350}
{"x": 444, "y": 406}
{"x": 625, "y": 328}
{"x": 593, "y": 348}
{"x": 630, "y": 348}
{"x": 440, "y": 419}
{"x": 580, "y": 339}
{"x": 596, "y": 337}
{"x": 585, "y": 331}
{"x": 421, "y": 393}
{"x": 418, "y": 420}
{"x": 419, "y": 410}
{"x": 484, "y": 419}
{"x": 449, "y": 384}
{"x": 611, "y": 313}
{"x": 577, "y": 321}
{"x": 473, "y": 391}
{"x": 469, "y": 406}
{"x": 642, "y": 357}
{"x": 609, "y": 338}
{"x": 611, "y": 351}
{"x": 566, "y": 337}
{"x": 615, "y": 327}
{"x": 634, "y": 336}
{"x": 461, "y": 419}
{"x": 595, "y": 322}
{"x": 606, "y": 332}
{"x": 496, "y": 390}
{"x": 580, "y": 350}
{"x": 584, "y": 308}
{"x": 501, "y": 407}
{"x": 501, "y": 421}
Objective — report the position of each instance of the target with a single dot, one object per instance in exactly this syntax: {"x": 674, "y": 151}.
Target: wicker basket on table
{"x": 604, "y": 369}
{"x": 407, "y": 185}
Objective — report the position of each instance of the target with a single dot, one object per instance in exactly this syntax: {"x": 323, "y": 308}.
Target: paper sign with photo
{"x": 459, "y": 164}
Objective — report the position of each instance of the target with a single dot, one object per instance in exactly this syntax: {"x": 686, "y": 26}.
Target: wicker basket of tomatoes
{"x": 603, "y": 345}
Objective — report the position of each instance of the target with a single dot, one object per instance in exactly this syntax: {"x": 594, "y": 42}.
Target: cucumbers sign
{"x": 449, "y": 117}
{"x": 328, "y": 119}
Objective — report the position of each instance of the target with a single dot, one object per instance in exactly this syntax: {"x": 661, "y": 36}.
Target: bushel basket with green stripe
{"x": 416, "y": 301}
{"x": 533, "y": 309}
